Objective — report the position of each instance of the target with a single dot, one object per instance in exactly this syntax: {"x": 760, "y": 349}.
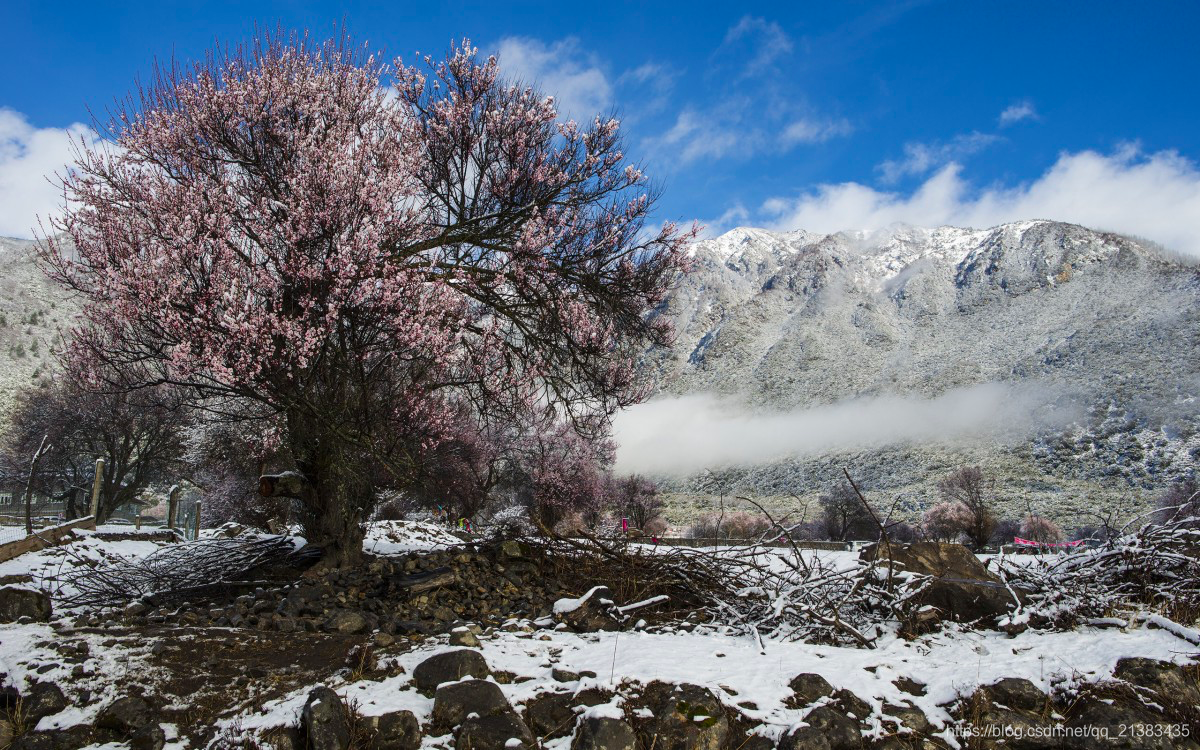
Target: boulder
{"x": 43, "y": 699}
{"x": 808, "y": 688}
{"x": 463, "y": 636}
{"x": 553, "y": 714}
{"x": 346, "y": 621}
{"x": 398, "y": 730}
{"x": 16, "y": 603}
{"x": 604, "y": 733}
{"x": 1166, "y": 680}
{"x": 961, "y": 588}
{"x": 325, "y": 721}
{"x": 453, "y": 703}
{"x": 148, "y": 738}
{"x": 449, "y": 666}
{"x": 497, "y": 732}
{"x": 126, "y": 715}
{"x": 803, "y": 737}
{"x": 1014, "y": 692}
{"x": 839, "y": 730}
{"x": 1123, "y": 724}
{"x": 686, "y": 717}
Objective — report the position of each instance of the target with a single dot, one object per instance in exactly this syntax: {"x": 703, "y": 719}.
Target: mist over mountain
{"x": 1060, "y": 358}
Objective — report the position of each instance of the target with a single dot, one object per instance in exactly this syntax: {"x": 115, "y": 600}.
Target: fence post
{"x": 196, "y": 531}
{"x": 172, "y": 505}
{"x": 96, "y": 489}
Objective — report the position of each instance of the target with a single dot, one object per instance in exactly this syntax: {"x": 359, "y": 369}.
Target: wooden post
{"x": 96, "y": 488}
{"x": 137, "y": 520}
{"x": 196, "y": 531}
{"x": 173, "y": 505}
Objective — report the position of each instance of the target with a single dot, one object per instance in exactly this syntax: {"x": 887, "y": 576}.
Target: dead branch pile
{"x": 1156, "y": 567}
{"x": 176, "y": 571}
{"x": 768, "y": 592}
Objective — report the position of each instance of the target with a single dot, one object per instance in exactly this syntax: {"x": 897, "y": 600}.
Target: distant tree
{"x": 1040, "y": 529}
{"x": 968, "y": 485}
{"x": 843, "y": 516}
{"x": 947, "y": 521}
{"x": 139, "y": 435}
{"x": 1180, "y": 501}
{"x": 362, "y": 249}
{"x": 637, "y": 499}
{"x": 1006, "y": 530}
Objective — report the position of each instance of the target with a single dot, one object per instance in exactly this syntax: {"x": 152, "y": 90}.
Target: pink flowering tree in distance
{"x": 297, "y": 229}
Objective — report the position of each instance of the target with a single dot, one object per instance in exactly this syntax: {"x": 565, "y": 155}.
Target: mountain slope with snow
{"x": 796, "y": 320}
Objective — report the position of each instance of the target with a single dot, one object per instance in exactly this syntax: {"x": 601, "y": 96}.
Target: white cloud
{"x": 920, "y": 158}
{"x": 809, "y": 130}
{"x": 28, "y": 156}
{"x": 698, "y": 135}
{"x": 561, "y": 70}
{"x": 1152, "y": 195}
{"x": 1022, "y": 110}
{"x": 766, "y": 39}
{"x": 683, "y": 435}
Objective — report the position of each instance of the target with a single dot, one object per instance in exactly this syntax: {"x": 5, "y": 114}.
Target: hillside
{"x": 34, "y": 312}
{"x": 1104, "y": 324}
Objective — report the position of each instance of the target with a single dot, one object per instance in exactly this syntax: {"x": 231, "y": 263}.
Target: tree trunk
{"x": 334, "y": 493}
{"x": 29, "y": 485}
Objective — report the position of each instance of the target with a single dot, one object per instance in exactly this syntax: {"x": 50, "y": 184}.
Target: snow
{"x": 563, "y": 606}
{"x": 402, "y": 537}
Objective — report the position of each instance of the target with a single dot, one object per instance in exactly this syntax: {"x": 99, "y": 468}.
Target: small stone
{"x": 463, "y": 637}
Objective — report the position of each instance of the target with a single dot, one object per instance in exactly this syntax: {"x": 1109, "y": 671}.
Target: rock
{"x": 449, "y": 666}
{"x": 756, "y": 742}
{"x": 398, "y": 730}
{"x": 345, "y": 621}
{"x": 496, "y": 732}
{"x": 126, "y": 715}
{"x": 6, "y": 733}
{"x": 463, "y": 637}
{"x": 1164, "y": 679}
{"x": 1123, "y": 724}
{"x": 148, "y": 738}
{"x": 553, "y": 714}
{"x": 808, "y": 688}
{"x": 512, "y": 550}
{"x": 43, "y": 699}
{"x": 16, "y": 603}
{"x": 591, "y": 612}
{"x": 325, "y": 722}
{"x": 604, "y": 733}
{"x": 1013, "y": 692}
{"x": 454, "y": 702}
{"x": 686, "y": 717}
{"x": 564, "y": 675}
{"x": 962, "y": 587}
{"x": 851, "y": 704}
{"x": 839, "y": 730}
{"x": 285, "y": 738}
{"x": 803, "y": 738}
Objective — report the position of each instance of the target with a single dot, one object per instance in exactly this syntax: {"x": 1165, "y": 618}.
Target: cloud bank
{"x": 28, "y": 155}
{"x": 1151, "y": 195}
{"x": 684, "y": 435}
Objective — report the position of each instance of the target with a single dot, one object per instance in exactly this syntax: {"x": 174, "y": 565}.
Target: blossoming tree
{"x": 298, "y": 229}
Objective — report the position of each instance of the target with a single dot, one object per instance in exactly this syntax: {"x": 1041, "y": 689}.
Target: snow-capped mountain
{"x": 796, "y": 320}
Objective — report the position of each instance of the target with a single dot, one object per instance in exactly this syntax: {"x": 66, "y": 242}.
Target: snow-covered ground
{"x": 746, "y": 675}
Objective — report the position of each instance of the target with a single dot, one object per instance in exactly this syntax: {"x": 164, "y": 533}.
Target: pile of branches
{"x": 174, "y": 572}
{"x": 766, "y": 591}
{"x": 1154, "y": 568}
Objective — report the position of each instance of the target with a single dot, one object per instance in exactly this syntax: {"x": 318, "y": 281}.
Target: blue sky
{"x": 821, "y": 116}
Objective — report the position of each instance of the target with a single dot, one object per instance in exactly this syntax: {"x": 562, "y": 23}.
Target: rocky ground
{"x": 444, "y": 644}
